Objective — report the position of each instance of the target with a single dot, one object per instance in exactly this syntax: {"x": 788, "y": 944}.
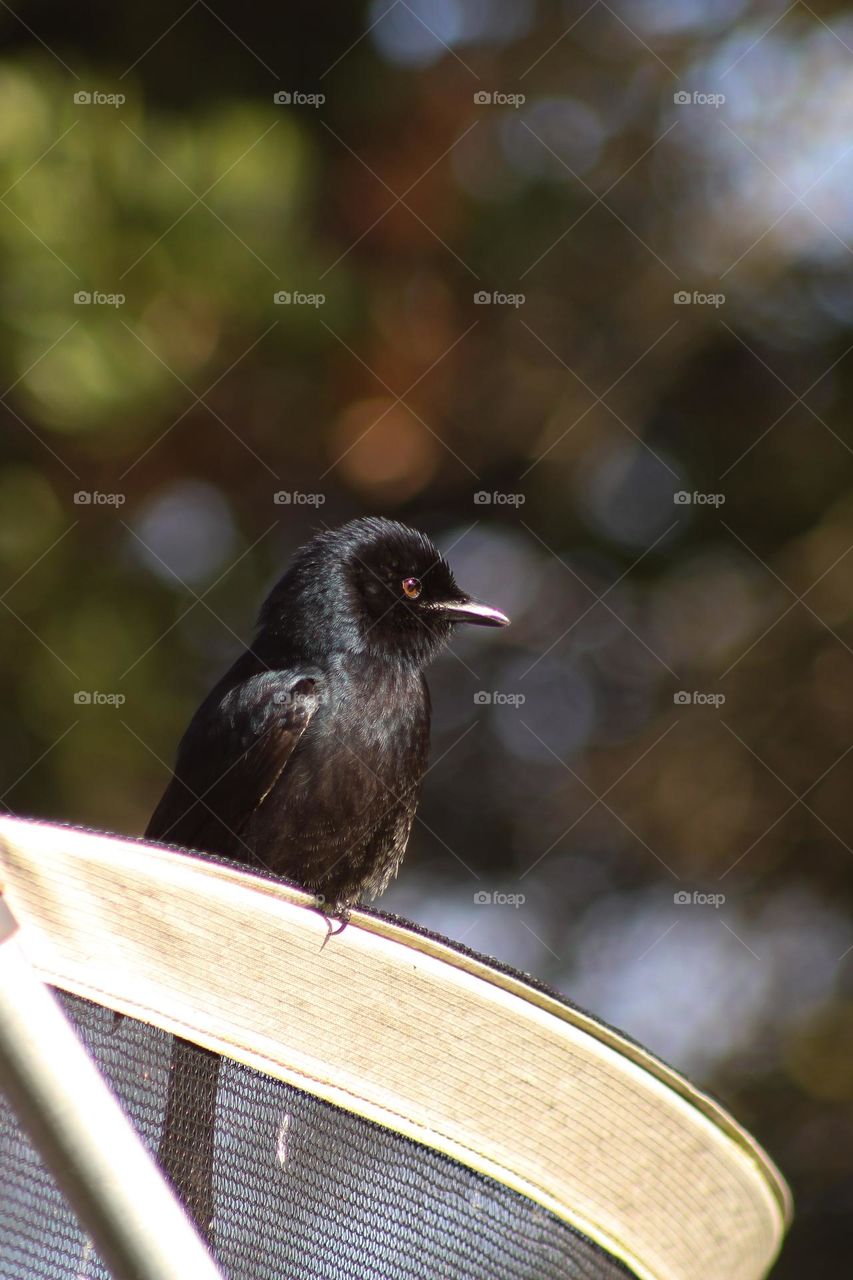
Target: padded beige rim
{"x": 411, "y": 1034}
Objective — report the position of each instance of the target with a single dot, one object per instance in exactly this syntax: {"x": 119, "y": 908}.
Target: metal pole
{"x": 99, "y": 1163}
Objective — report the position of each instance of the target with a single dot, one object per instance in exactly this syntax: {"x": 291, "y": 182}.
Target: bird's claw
{"x": 342, "y": 917}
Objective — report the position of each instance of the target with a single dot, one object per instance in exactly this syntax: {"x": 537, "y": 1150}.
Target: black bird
{"x": 307, "y": 757}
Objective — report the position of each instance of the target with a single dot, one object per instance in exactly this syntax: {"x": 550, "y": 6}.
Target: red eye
{"x": 412, "y": 587}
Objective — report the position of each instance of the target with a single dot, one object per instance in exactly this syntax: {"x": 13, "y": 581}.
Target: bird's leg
{"x": 342, "y": 918}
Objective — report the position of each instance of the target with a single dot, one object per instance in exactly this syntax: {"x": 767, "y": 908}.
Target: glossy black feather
{"x": 307, "y": 757}
{"x": 232, "y": 755}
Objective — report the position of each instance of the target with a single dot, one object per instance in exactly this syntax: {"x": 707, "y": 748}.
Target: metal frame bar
{"x": 100, "y": 1164}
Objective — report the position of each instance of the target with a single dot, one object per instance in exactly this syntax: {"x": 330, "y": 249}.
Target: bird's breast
{"x": 366, "y": 748}
{"x": 340, "y": 815}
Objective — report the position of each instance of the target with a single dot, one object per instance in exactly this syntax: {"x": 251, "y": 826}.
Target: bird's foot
{"x": 332, "y": 915}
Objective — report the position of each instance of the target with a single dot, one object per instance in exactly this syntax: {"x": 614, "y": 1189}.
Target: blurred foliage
{"x": 183, "y": 410}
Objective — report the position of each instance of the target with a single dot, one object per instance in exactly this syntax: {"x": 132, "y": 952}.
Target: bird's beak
{"x": 467, "y": 610}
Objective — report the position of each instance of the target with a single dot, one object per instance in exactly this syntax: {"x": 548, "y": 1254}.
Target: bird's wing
{"x": 230, "y": 758}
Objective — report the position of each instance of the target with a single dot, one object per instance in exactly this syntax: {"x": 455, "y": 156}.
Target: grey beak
{"x": 465, "y": 610}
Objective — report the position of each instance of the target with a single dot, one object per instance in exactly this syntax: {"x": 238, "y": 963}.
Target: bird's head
{"x": 372, "y": 586}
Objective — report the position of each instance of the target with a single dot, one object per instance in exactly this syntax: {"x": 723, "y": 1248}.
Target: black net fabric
{"x": 296, "y": 1189}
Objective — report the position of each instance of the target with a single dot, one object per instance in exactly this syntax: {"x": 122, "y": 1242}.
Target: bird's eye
{"x": 412, "y": 587}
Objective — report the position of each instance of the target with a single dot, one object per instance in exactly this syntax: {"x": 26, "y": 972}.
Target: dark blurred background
{"x": 646, "y": 775}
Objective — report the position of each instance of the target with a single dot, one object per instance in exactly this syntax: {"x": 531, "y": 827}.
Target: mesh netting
{"x": 297, "y": 1189}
